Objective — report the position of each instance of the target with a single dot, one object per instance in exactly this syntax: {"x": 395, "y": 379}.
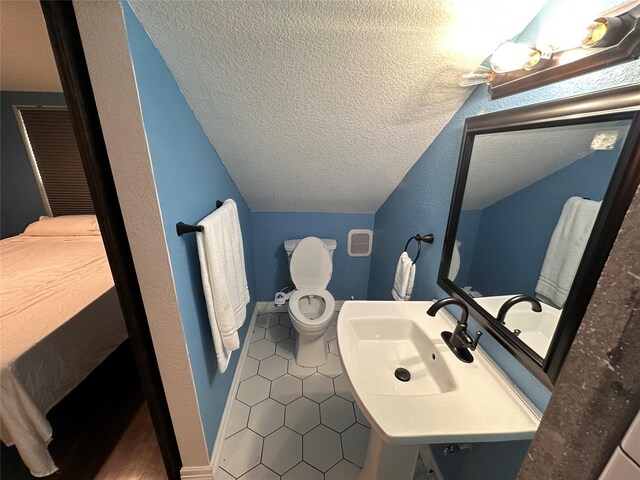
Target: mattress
{"x": 59, "y": 319}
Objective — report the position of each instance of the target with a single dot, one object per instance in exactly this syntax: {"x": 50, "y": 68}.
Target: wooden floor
{"x": 102, "y": 430}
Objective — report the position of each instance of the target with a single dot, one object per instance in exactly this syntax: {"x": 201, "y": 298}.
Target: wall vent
{"x": 359, "y": 243}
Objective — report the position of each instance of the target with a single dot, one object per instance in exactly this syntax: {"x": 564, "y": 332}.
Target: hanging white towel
{"x": 565, "y": 250}
{"x": 224, "y": 278}
{"x": 405, "y": 276}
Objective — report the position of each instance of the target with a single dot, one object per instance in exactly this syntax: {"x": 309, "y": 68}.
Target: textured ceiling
{"x": 324, "y": 106}
{"x": 504, "y": 163}
{"x": 26, "y": 59}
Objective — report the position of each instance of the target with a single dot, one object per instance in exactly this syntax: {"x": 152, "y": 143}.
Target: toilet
{"x": 311, "y": 306}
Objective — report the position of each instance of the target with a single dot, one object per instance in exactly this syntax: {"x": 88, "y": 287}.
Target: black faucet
{"x": 459, "y": 342}
{"x": 502, "y": 313}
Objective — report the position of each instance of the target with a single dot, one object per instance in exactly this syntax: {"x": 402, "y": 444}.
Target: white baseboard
{"x": 226, "y": 415}
{"x": 196, "y": 473}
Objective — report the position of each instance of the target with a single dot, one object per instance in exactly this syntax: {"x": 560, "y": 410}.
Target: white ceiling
{"x": 26, "y": 59}
{"x": 323, "y": 106}
{"x": 521, "y": 158}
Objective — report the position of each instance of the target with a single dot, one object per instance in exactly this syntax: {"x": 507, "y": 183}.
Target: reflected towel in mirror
{"x": 565, "y": 250}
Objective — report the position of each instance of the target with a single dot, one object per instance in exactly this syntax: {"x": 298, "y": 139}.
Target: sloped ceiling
{"x": 323, "y": 106}
{"x": 506, "y": 162}
{"x": 26, "y": 59}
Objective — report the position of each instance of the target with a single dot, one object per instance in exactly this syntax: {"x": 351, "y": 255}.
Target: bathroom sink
{"x": 445, "y": 400}
{"x": 536, "y": 328}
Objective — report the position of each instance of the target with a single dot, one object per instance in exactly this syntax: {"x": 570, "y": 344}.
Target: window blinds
{"x": 57, "y": 158}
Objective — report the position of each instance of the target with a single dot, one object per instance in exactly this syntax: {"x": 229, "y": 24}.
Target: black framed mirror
{"x": 538, "y": 200}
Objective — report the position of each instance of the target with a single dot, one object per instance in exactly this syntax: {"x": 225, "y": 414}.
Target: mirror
{"x": 531, "y": 217}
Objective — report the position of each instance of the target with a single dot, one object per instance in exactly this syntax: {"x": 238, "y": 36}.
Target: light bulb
{"x": 514, "y": 56}
{"x": 603, "y": 32}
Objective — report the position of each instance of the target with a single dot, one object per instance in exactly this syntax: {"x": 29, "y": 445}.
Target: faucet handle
{"x": 474, "y": 344}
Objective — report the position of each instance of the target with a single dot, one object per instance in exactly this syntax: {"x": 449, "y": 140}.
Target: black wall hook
{"x": 428, "y": 238}
{"x": 182, "y": 228}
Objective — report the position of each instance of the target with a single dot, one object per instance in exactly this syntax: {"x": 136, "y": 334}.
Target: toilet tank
{"x": 290, "y": 246}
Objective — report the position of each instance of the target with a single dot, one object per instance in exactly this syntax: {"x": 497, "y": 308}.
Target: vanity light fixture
{"x": 611, "y": 38}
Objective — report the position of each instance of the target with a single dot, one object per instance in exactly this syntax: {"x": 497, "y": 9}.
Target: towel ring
{"x": 428, "y": 238}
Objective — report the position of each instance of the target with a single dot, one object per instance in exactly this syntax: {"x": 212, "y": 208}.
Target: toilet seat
{"x": 317, "y": 323}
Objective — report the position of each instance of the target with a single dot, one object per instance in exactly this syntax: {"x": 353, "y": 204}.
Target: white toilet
{"x": 311, "y": 306}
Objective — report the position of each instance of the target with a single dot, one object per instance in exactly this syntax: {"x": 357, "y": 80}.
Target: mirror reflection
{"x": 530, "y": 202}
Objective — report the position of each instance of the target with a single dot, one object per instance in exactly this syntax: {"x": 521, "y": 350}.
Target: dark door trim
{"x": 74, "y": 75}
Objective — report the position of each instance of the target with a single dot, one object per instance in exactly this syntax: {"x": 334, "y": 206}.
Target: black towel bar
{"x": 428, "y": 238}
{"x": 182, "y": 228}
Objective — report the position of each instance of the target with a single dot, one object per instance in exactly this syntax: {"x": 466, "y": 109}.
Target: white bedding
{"x": 59, "y": 318}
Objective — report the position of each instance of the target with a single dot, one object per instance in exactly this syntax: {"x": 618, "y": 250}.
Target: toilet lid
{"x": 311, "y": 264}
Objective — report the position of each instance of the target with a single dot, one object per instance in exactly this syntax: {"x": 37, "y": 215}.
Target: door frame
{"x": 69, "y": 55}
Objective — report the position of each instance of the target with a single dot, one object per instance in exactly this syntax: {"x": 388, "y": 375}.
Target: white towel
{"x": 565, "y": 250}
{"x": 224, "y": 278}
{"x": 405, "y": 276}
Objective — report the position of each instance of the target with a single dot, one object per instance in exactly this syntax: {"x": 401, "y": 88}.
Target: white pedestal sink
{"x": 445, "y": 400}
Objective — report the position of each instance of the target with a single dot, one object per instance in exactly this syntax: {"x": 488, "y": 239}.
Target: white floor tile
{"x": 343, "y": 471}
{"x": 334, "y": 318}
{"x": 222, "y": 475}
{"x": 333, "y": 346}
{"x": 286, "y": 389}
{"x": 360, "y": 416}
{"x": 337, "y": 413}
{"x": 302, "y": 415}
{"x": 300, "y": 371}
{"x": 262, "y": 349}
{"x": 277, "y": 333}
{"x": 250, "y": 368}
{"x": 253, "y": 390}
{"x": 343, "y": 387}
{"x": 322, "y": 448}
{"x": 286, "y": 348}
{"x": 267, "y": 320}
{"x": 282, "y": 450}
{"x": 317, "y": 387}
{"x": 331, "y": 333}
{"x": 241, "y": 452}
{"x": 332, "y": 368}
{"x": 285, "y": 320}
{"x": 238, "y": 419}
{"x": 272, "y": 367}
{"x": 257, "y": 334}
{"x": 266, "y": 417}
{"x": 303, "y": 471}
{"x": 355, "y": 440}
{"x": 260, "y": 473}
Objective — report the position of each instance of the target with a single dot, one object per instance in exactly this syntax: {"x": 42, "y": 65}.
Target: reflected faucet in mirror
{"x": 459, "y": 341}
{"x": 502, "y": 313}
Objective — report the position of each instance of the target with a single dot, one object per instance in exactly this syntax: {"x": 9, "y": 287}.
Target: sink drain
{"x": 402, "y": 374}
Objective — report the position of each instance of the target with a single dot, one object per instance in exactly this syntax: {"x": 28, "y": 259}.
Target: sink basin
{"x": 445, "y": 400}
{"x": 382, "y": 346}
{"x": 537, "y": 328}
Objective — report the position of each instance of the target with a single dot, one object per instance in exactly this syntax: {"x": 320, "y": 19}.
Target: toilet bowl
{"x": 311, "y": 306}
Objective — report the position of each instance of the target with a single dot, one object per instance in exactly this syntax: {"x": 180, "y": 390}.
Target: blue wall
{"x": 20, "y": 200}
{"x": 524, "y": 222}
{"x": 350, "y": 274}
{"x": 189, "y": 178}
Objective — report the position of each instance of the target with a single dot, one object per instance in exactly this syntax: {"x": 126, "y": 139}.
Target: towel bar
{"x": 428, "y": 238}
{"x": 182, "y": 228}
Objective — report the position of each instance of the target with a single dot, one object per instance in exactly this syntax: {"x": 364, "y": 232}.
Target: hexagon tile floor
{"x": 290, "y": 422}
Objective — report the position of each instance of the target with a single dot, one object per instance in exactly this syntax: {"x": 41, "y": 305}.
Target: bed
{"x": 59, "y": 319}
